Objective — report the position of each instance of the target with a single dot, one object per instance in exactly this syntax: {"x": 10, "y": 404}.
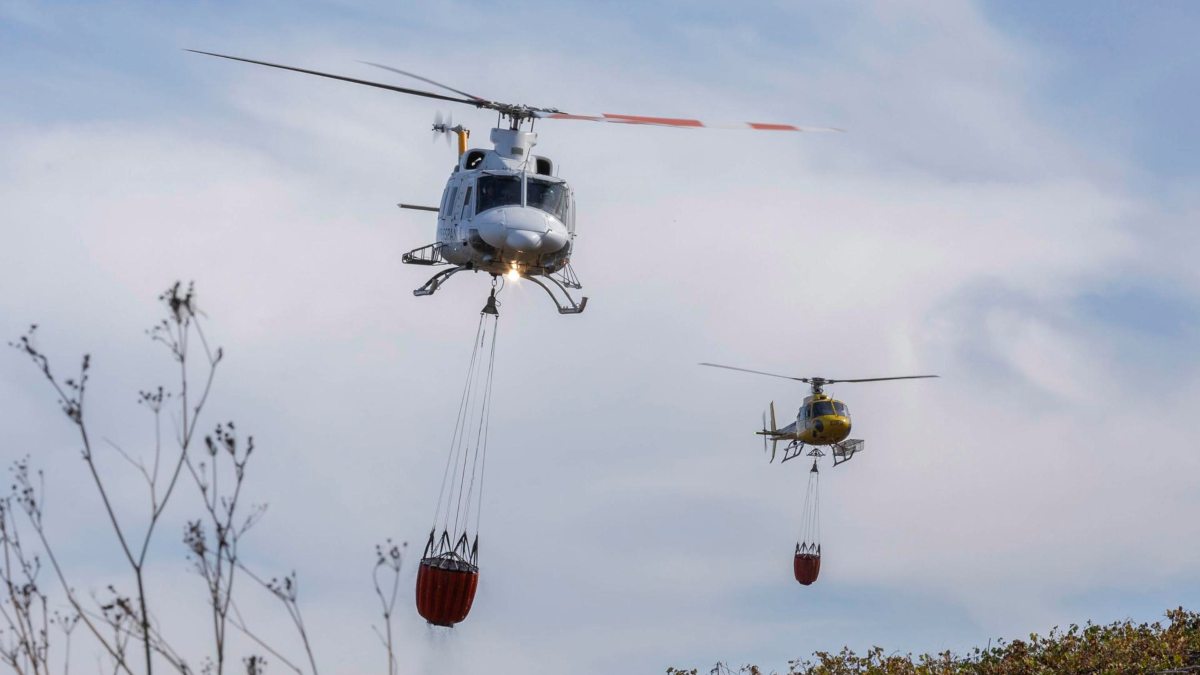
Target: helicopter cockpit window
{"x": 822, "y": 408}
{"x": 448, "y": 203}
{"x": 462, "y": 213}
{"x": 547, "y": 196}
{"x": 841, "y": 408}
{"x": 497, "y": 191}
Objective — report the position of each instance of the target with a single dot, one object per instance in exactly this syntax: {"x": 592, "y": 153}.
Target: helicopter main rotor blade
{"x": 883, "y": 379}
{"x": 821, "y": 381}
{"x": 378, "y": 85}
{"x": 426, "y": 80}
{"x": 756, "y": 372}
{"x": 519, "y": 112}
{"x": 677, "y": 122}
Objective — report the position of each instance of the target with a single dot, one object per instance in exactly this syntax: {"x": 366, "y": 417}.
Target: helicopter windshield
{"x": 547, "y": 196}
{"x": 822, "y": 408}
{"x": 497, "y": 191}
{"x": 841, "y": 408}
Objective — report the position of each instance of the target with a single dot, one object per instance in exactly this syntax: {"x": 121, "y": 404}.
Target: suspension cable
{"x": 458, "y": 423}
{"x": 468, "y": 451}
{"x": 464, "y": 439}
{"x": 810, "y": 519}
{"x": 481, "y": 443}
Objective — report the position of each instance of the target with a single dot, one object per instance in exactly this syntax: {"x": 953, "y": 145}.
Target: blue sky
{"x": 1112, "y": 73}
{"x": 1012, "y": 207}
{"x": 1119, "y": 74}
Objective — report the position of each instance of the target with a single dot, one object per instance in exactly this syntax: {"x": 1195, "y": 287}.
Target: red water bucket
{"x": 807, "y": 566}
{"x": 445, "y": 589}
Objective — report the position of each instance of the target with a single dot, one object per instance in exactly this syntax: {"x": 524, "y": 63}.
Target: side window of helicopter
{"x": 448, "y": 206}
{"x": 497, "y": 191}
{"x": 463, "y": 212}
{"x": 547, "y": 196}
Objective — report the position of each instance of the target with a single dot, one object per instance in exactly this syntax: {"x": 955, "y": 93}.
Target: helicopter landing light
{"x": 513, "y": 273}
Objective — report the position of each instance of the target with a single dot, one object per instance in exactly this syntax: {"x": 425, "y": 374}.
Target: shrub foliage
{"x": 1120, "y": 647}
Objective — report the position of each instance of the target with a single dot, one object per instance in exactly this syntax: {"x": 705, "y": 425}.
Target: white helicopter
{"x": 504, "y": 211}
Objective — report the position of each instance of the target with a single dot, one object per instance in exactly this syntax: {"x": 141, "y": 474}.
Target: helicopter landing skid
{"x": 566, "y": 276}
{"x": 435, "y": 282}
{"x": 571, "y": 307}
{"x": 796, "y": 449}
{"x": 566, "y": 306}
{"x": 842, "y": 452}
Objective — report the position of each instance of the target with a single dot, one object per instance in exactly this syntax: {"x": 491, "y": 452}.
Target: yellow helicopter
{"x": 821, "y": 420}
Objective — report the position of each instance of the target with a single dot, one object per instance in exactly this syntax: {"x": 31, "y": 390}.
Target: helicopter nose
{"x": 523, "y": 240}
{"x": 554, "y": 239}
{"x": 521, "y": 229}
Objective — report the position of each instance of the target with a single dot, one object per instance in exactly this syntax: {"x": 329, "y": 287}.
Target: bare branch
{"x": 237, "y": 622}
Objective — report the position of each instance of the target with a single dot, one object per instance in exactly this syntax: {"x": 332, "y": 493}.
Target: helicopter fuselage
{"x": 504, "y": 210}
{"x": 820, "y": 421}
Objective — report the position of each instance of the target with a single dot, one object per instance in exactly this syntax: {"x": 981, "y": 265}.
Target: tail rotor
{"x": 768, "y": 433}
{"x": 764, "y": 431}
{"x": 443, "y": 125}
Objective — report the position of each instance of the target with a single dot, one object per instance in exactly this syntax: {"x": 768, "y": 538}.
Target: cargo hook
{"x": 491, "y": 306}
